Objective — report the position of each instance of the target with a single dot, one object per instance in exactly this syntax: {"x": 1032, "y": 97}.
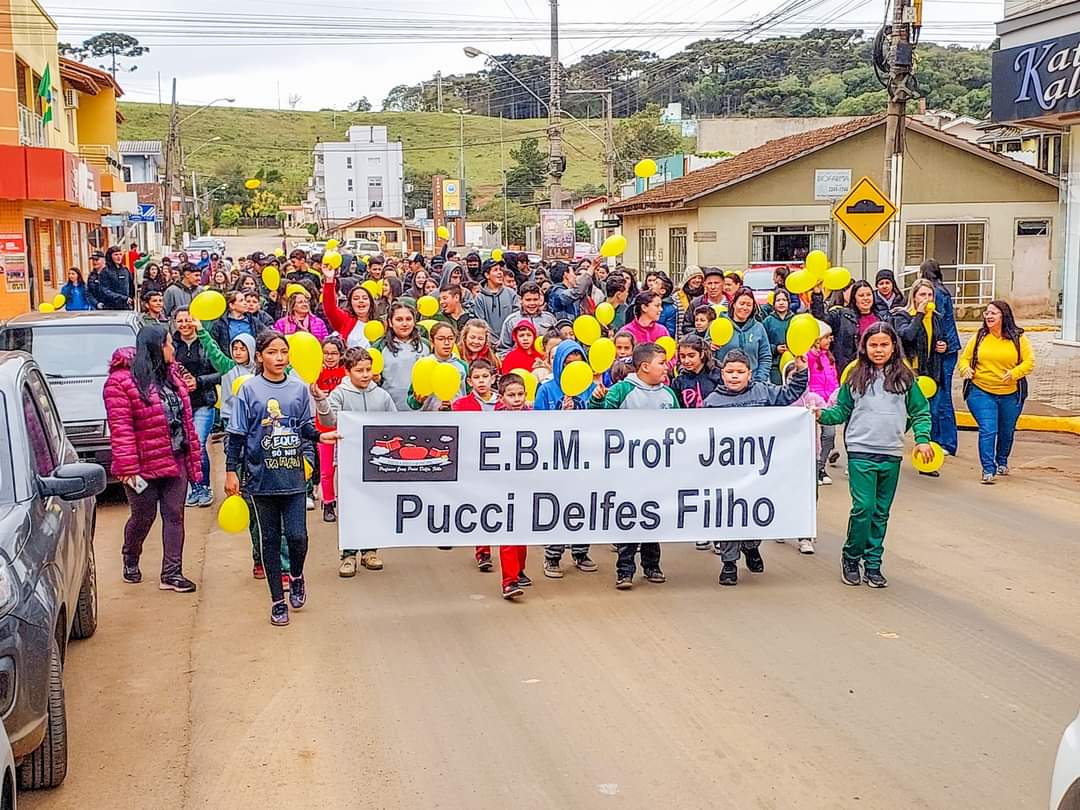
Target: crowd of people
{"x": 507, "y": 327}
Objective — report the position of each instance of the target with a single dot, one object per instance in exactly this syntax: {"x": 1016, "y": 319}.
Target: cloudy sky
{"x": 330, "y": 52}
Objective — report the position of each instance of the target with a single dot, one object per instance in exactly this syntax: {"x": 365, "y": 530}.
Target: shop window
{"x": 950, "y": 243}
{"x": 647, "y": 250}
{"x": 787, "y": 243}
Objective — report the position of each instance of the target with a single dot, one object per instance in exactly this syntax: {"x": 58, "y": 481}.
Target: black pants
{"x": 650, "y": 558}
{"x": 289, "y": 512}
{"x": 556, "y": 552}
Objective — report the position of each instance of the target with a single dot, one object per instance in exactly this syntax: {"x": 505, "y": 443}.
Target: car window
{"x": 53, "y": 423}
{"x": 69, "y": 350}
{"x": 758, "y": 279}
{"x": 41, "y": 458}
{"x": 7, "y": 471}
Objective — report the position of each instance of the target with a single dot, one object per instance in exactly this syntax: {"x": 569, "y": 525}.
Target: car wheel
{"x": 46, "y": 766}
{"x": 86, "y": 611}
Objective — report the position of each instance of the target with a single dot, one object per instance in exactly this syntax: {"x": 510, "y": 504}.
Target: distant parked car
{"x": 48, "y": 580}
{"x": 73, "y": 349}
{"x": 363, "y": 247}
{"x": 759, "y": 278}
{"x": 196, "y": 246}
{"x": 1065, "y": 783}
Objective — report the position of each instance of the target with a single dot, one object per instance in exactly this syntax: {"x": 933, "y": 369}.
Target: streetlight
{"x": 204, "y": 144}
{"x": 203, "y": 107}
{"x": 461, "y": 166}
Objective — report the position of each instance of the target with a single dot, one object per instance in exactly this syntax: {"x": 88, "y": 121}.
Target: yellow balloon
{"x": 530, "y": 381}
{"x": 720, "y": 309}
{"x": 934, "y": 464}
{"x": 365, "y": 259}
{"x": 801, "y": 281}
{"x": 373, "y": 330}
{"x": 252, "y": 184}
{"x": 427, "y": 324}
{"x": 233, "y": 515}
{"x": 295, "y": 288}
{"x": 377, "y": 362}
{"x": 422, "y": 376}
{"x": 443, "y": 232}
{"x": 667, "y": 343}
{"x": 59, "y": 300}
{"x": 308, "y": 471}
{"x": 645, "y": 168}
{"x": 771, "y": 298}
{"x": 802, "y": 333}
{"x": 427, "y": 306}
{"x": 927, "y": 386}
{"x": 586, "y": 329}
{"x": 209, "y": 305}
{"x": 847, "y": 370}
{"x": 538, "y": 344}
{"x": 605, "y": 313}
{"x": 614, "y": 245}
{"x": 836, "y": 278}
{"x": 331, "y": 244}
{"x": 602, "y": 355}
{"x": 721, "y": 331}
{"x": 785, "y": 358}
{"x": 446, "y": 381}
{"x": 217, "y": 396}
{"x": 46, "y": 307}
{"x": 279, "y": 252}
{"x": 332, "y": 259}
{"x": 271, "y": 277}
{"x": 816, "y": 262}
{"x": 497, "y": 255}
{"x": 305, "y": 356}
{"x": 243, "y": 378}
{"x": 576, "y": 378}
{"x": 372, "y": 286}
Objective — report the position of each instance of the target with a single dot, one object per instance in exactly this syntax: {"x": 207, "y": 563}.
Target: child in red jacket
{"x": 329, "y": 378}
{"x": 512, "y": 558}
{"x": 524, "y": 355}
{"x": 481, "y": 396}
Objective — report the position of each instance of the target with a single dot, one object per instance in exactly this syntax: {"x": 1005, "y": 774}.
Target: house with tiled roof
{"x": 988, "y": 219}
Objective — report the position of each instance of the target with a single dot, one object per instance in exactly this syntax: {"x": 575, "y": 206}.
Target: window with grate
{"x": 647, "y": 250}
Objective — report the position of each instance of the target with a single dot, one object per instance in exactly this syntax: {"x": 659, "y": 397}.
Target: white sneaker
{"x": 824, "y": 480}
{"x": 311, "y": 504}
{"x": 806, "y": 546}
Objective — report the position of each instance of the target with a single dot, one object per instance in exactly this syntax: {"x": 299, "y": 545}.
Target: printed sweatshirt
{"x": 634, "y": 394}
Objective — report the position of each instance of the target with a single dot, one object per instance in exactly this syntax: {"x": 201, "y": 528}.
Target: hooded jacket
{"x": 495, "y": 307}
{"x": 193, "y": 357}
{"x": 549, "y": 396}
{"x": 116, "y": 286}
{"x": 541, "y": 322}
{"x": 692, "y": 389}
{"x": 397, "y": 367}
{"x": 634, "y": 394}
{"x": 177, "y": 296}
{"x": 758, "y": 394}
{"x": 645, "y": 334}
{"x": 230, "y": 375}
{"x": 522, "y": 358}
{"x": 139, "y": 431}
{"x": 824, "y": 379}
{"x": 347, "y": 397}
{"x": 884, "y": 306}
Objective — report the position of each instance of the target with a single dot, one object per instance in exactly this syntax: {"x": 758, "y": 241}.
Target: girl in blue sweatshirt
{"x": 879, "y": 402}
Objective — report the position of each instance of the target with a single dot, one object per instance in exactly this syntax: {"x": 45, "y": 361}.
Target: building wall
{"x": 97, "y": 118}
{"x": 143, "y": 168}
{"x": 740, "y": 134}
{"x": 371, "y": 156}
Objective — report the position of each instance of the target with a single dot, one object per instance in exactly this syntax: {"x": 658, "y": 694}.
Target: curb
{"x": 1041, "y": 424}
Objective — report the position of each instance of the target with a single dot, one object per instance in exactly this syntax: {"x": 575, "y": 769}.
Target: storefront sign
{"x": 831, "y": 184}
{"x": 451, "y": 198}
{"x": 13, "y": 261}
{"x": 704, "y": 236}
{"x": 557, "y": 234}
{"x": 1037, "y": 80}
{"x": 538, "y": 477}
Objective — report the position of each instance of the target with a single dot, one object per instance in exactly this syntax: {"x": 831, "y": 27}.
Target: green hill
{"x": 283, "y": 140}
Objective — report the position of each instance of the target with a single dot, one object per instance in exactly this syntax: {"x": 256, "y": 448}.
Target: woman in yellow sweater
{"x": 996, "y": 362}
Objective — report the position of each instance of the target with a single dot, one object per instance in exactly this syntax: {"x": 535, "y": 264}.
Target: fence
{"x": 972, "y": 284}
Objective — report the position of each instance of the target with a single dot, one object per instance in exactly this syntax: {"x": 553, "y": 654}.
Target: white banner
{"x": 554, "y": 477}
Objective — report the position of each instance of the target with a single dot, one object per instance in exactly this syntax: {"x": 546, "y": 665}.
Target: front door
{"x": 1031, "y": 266}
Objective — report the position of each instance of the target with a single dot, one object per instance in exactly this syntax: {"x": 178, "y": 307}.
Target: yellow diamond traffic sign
{"x": 864, "y": 211}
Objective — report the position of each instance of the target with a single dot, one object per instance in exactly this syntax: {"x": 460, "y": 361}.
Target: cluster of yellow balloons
{"x": 209, "y": 305}
{"x": 614, "y": 245}
{"x": 432, "y": 378}
{"x": 817, "y": 270}
{"x": 305, "y": 356}
{"x": 234, "y": 515}
{"x": 57, "y": 304}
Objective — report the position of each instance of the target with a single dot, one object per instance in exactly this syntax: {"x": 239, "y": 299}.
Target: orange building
{"x": 58, "y": 158}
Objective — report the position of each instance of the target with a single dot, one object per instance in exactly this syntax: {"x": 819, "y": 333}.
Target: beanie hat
{"x": 885, "y": 273}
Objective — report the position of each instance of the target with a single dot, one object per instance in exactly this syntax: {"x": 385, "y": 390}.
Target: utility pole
{"x": 502, "y": 166}
{"x": 170, "y": 167}
{"x": 902, "y": 88}
{"x": 461, "y": 176}
{"x": 609, "y": 133}
{"x": 195, "y": 197}
{"x": 438, "y": 91}
{"x": 556, "y": 160}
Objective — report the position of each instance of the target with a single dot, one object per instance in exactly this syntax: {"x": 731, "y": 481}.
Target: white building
{"x": 359, "y": 176}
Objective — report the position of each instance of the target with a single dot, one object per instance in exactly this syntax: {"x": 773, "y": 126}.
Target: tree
{"x": 264, "y": 203}
{"x": 229, "y": 215}
{"x": 404, "y": 98}
{"x": 361, "y": 105}
{"x": 312, "y": 229}
{"x": 420, "y": 196}
{"x": 863, "y": 104}
{"x": 110, "y": 45}
{"x": 582, "y": 231}
{"x": 519, "y": 218}
{"x": 642, "y": 135}
{"x": 527, "y": 176}
{"x": 294, "y": 99}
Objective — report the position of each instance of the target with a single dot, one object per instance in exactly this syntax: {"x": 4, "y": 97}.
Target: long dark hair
{"x": 741, "y": 293}
{"x": 371, "y": 300}
{"x": 642, "y": 300}
{"x": 149, "y": 368}
{"x": 391, "y": 341}
{"x": 699, "y": 345}
{"x": 1009, "y": 330}
{"x": 898, "y": 377}
{"x": 78, "y": 275}
{"x": 264, "y": 339}
{"x": 859, "y": 285}
{"x": 931, "y": 270}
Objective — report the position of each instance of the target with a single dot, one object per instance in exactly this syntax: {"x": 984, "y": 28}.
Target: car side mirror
{"x": 72, "y": 482}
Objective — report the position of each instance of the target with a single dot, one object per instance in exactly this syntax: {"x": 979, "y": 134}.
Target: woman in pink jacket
{"x": 299, "y": 318}
{"x": 644, "y": 323}
{"x": 155, "y": 449}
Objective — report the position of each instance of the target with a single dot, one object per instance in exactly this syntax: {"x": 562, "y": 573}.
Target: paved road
{"x": 418, "y": 687}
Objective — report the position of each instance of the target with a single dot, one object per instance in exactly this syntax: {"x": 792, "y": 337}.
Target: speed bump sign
{"x": 864, "y": 211}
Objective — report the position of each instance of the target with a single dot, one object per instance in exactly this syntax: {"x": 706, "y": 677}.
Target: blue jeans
{"x": 996, "y": 415}
{"x": 942, "y": 414}
{"x": 204, "y": 423}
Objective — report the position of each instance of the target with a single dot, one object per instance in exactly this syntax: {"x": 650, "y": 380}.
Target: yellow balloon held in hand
{"x": 785, "y": 358}
{"x": 586, "y": 329}
{"x": 305, "y": 356}
{"x": 377, "y": 362}
{"x": 721, "y": 331}
{"x": 233, "y": 515}
{"x": 802, "y": 334}
{"x": 605, "y": 313}
{"x": 614, "y": 245}
{"x": 427, "y": 306}
{"x": 271, "y": 277}
{"x": 602, "y": 355}
{"x": 667, "y": 343}
{"x": 239, "y": 381}
{"x": 443, "y": 232}
{"x": 837, "y": 278}
{"x": 372, "y": 286}
{"x": 46, "y": 307}
{"x": 816, "y": 262}
{"x": 927, "y": 386}
{"x": 422, "y": 370}
{"x": 497, "y": 255}
{"x": 373, "y": 330}
{"x": 332, "y": 259}
{"x": 576, "y": 378}
{"x": 801, "y": 281}
{"x": 58, "y": 301}
{"x": 209, "y": 305}
{"x": 645, "y": 168}
{"x": 530, "y": 381}
{"x": 847, "y": 371}
{"x": 935, "y": 464}
{"x": 446, "y": 381}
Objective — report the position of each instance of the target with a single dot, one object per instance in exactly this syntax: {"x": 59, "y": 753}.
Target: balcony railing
{"x": 971, "y": 284}
{"x": 31, "y": 128}
{"x": 103, "y": 157}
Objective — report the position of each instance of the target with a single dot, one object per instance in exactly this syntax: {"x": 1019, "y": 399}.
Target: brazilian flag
{"x": 44, "y": 92}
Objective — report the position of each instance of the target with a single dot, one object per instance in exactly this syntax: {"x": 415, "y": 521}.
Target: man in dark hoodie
{"x": 116, "y": 285}
{"x": 474, "y": 267}
{"x": 494, "y": 302}
{"x": 887, "y": 296}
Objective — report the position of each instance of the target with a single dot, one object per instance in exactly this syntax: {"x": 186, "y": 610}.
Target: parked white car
{"x": 1065, "y": 784}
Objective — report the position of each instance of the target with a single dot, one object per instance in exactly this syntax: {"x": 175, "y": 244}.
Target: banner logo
{"x": 410, "y": 453}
